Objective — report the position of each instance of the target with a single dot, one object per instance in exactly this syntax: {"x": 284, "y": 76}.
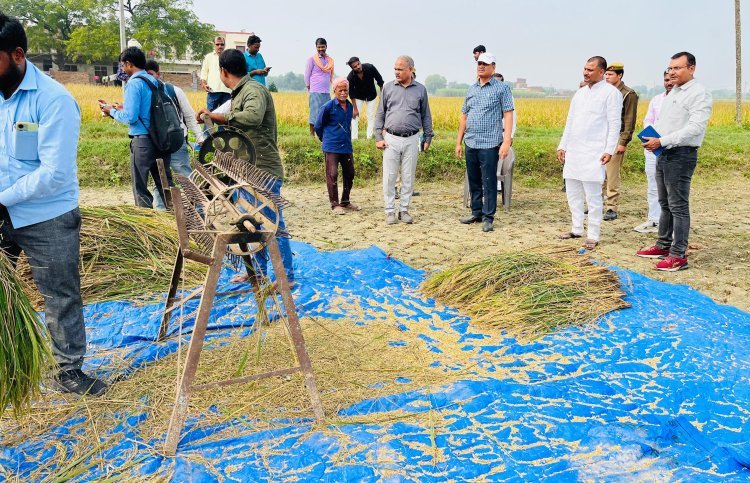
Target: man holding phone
{"x": 256, "y": 65}
{"x": 217, "y": 92}
{"x": 39, "y": 127}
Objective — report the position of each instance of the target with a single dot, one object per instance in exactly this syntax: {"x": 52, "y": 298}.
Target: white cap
{"x": 487, "y": 58}
{"x": 134, "y": 43}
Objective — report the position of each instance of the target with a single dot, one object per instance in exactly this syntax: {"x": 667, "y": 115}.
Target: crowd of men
{"x": 40, "y": 122}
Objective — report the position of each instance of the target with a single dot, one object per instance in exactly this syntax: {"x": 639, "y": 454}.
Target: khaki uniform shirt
{"x": 629, "y": 113}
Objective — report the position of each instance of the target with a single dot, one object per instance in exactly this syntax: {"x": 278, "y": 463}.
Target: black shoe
{"x": 415, "y": 193}
{"x": 470, "y": 219}
{"x": 610, "y": 215}
{"x": 77, "y": 382}
{"x": 487, "y": 226}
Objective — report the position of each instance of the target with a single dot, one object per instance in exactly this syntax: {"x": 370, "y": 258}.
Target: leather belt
{"x": 402, "y": 135}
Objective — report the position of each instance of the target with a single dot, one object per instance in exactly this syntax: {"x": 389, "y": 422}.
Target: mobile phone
{"x": 27, "y": 126}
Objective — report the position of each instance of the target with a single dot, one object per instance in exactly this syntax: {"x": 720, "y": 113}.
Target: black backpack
{"x": 165, "y": 130}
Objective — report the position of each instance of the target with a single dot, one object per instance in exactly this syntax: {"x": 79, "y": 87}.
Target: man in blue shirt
{"x": 39, "y": 126}
{"x": 256, "y": 66}
{"x": 136, "y": 113}
{"x": 487, "y": 107}
{"x": 333, "y": 127}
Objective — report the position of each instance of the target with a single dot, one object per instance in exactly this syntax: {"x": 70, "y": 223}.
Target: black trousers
{"x": 143, "y": 155}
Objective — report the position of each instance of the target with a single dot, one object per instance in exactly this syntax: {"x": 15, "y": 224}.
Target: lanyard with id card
{"x": 26, "y": 137}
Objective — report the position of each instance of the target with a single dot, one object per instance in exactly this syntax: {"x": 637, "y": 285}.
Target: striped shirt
{"x": 484, "y": 107}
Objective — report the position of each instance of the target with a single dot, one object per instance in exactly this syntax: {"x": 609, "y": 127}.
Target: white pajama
{"x": 399, "y": 154}
{"x": 652, "y": 195}
{"x": 590, "y": 191}
{"x": 371, "y": 106}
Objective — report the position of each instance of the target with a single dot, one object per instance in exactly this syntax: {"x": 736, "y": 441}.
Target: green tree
{"x": 88, "y": 30}
{"x": 433, "y": 82}
{"x": 168, "y": 27}
{"x": 272, "y": 87}
{"x": 50, "y": 23}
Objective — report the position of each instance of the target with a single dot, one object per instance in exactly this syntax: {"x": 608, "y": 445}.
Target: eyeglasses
{"x": 482, "y": 64}
{"x": 670, "y": 69}
{"x": 219, "y": 45}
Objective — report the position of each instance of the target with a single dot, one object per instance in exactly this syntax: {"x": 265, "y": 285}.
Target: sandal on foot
{"x": 568, "y": 236}
{"x": 590, "y": 244}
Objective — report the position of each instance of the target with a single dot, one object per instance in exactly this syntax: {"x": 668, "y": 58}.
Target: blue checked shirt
{"x": 484, "y": 107}
{"x": 38, "y": 170}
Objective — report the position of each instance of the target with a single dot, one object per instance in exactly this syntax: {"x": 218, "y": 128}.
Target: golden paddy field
{"x": 291, "y": 108}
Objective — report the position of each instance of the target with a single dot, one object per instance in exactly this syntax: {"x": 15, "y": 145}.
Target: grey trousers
{"x": 400, "y": 153}
{"x": 53, "y": 248}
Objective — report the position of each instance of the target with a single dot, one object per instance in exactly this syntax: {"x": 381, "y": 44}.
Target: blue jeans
{"x": 216, "y": 99}
{"x": 180, "y": 164}
{"x": 286, "y": 251}
{"x": 53, "y": 248}
{"x": 481, "y": 167}
{"x": 674, "y": 172}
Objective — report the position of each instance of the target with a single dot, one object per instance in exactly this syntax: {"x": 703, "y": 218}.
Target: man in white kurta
{"x": 588, "y": 142}
{"x": 652, "y": 195}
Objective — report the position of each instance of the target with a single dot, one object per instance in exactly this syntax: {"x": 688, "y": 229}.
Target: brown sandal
{"x": 568, "y": 236}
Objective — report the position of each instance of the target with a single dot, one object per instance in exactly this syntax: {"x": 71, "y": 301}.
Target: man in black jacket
{"x": 362, "y": 80}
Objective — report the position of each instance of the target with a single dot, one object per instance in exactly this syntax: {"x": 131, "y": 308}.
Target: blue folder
{"x": 650, "y": 132}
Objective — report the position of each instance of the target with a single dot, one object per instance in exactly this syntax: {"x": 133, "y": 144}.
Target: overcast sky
{"x": 545, "y": 41}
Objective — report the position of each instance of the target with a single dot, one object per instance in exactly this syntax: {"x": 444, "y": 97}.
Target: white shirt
{"x": 684, "y": 115}
{"x": 591, "y": 130}
{"x": 652, "y": 115}
{"x": 210, "y": 73}
{"x": 188, "y": 115}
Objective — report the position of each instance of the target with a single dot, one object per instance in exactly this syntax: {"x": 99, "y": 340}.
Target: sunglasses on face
{"x": 219, "y": 45}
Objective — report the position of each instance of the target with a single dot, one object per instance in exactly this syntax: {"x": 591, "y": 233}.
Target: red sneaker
{"x": 672, "y": 264}
{"x": 653, "y": 252}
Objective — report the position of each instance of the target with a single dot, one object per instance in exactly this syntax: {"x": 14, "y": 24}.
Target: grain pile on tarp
{"x": 24, "y": 351}
{"x": 529, "y": 293}
{"x": 126, "y": 252}
{"x": 657, "y": 391}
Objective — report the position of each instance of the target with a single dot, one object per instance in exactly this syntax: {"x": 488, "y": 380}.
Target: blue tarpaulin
{"x": 660, "y": 390}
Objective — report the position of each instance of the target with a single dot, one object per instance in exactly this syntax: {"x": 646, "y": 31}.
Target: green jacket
{"x": 253, "y": 113}
{"x": 629, "y": 113}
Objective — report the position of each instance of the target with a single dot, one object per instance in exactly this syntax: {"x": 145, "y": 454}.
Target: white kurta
{"x": 652, "y": 115}
{"x": 592, "y": 129}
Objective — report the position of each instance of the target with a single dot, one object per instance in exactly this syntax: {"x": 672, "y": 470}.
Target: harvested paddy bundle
{"x": 529, "y": 294}
{"x": 25, "y": 354}
{"x": 126, "y": 252}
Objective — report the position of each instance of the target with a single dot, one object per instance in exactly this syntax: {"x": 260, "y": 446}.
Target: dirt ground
{"x": 719, "y": 253}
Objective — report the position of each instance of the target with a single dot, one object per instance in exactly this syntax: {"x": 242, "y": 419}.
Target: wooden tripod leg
{"x": 179, "y": 412}
{"x": 295, "y": 330}
{"x": 173, "y": 284}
